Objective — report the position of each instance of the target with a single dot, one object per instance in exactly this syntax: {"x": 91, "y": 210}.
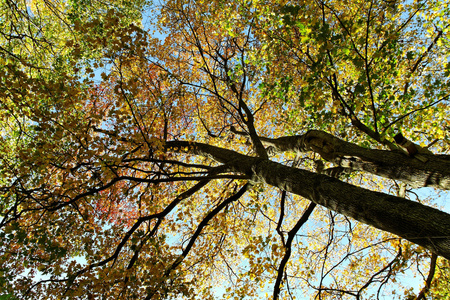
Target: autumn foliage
{"x": 224, "y": 149}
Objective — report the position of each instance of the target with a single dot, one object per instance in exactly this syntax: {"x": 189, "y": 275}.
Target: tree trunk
{"x": 418, "y": 223}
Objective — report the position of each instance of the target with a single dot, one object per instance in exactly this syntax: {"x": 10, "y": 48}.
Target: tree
{"x": 268, "y": 146}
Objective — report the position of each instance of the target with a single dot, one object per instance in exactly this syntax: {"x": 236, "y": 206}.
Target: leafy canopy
{"x": 131, "y": 135}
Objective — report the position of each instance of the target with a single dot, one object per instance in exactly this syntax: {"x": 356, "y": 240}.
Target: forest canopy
{"x": 224, "y": 149}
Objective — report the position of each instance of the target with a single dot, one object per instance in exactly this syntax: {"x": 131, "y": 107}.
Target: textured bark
{"x": 411, "y": 220}
{"x": 433, "y": 172}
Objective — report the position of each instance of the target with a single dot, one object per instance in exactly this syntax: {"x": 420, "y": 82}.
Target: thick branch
{"x": 434, "y": 171}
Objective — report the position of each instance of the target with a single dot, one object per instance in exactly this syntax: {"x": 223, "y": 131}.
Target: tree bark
{"x": 434, "y": 171}
{"x": 418, "y": 223}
